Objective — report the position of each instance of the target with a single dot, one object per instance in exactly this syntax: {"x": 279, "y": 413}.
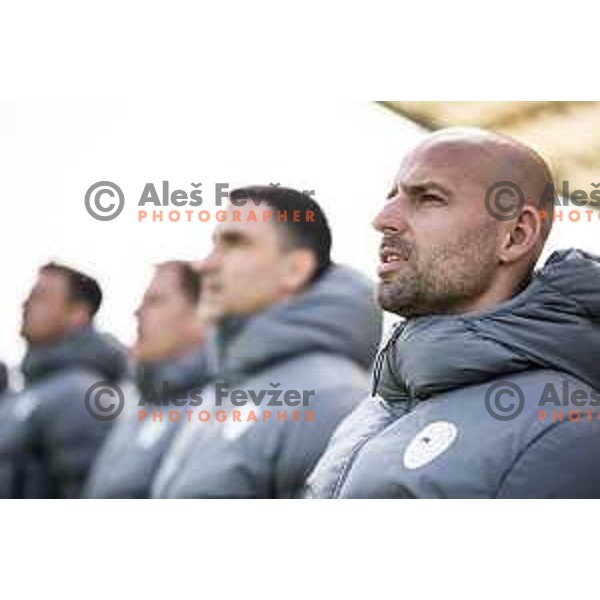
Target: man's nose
{"x": 391, "y": 217}
{"x": 211, "y": 262}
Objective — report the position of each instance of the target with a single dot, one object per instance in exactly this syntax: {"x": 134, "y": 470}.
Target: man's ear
{"x": 300, "y": 267}
{"x": 79, "y": 315}
{"x": 521, "y": 236}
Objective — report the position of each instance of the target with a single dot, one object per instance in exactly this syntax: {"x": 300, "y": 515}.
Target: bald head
{"x": 445, "y": 249}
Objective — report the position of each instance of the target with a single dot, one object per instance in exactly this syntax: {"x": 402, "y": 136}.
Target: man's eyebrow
{"x": 393, "y": 191}
{"x": 232, "y": 235}
{"x": 414, "y": 189}
{"x": 219, "y": 233}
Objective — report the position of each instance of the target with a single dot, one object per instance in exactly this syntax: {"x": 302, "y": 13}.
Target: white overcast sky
{"x": 52, "y": 152}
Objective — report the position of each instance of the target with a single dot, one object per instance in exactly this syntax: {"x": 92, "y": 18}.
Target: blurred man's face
{"x": 438, "y": 251}
{"x": 250, "y": 268}
{"x": 167, "y": 321}
{"x": 48, "y": 311}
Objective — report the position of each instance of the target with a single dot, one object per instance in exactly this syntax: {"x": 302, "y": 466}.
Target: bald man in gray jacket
{"x": 490, "y": 387}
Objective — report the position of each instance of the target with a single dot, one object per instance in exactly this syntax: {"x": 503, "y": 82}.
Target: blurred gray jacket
{"x": 324, "y": 340}
{"x": 457, "y": 411}
{"x": 131, "y": 455}
{"x": 48, "y": 439}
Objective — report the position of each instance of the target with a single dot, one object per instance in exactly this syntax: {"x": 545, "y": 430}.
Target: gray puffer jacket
{"x": 132, "y": 453}
{"x": 498, "y": 404}
{"x": 48, "y": 439}
{"x": 321, "y": 341}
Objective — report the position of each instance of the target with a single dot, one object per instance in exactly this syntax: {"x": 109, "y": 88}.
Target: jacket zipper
{"x": 376, "y": 376}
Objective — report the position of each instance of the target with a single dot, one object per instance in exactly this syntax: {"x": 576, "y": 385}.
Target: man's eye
{"x": 432, "y": 199}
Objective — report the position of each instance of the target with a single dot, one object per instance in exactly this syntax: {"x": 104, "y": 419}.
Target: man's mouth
{"x": 391, "y": 259}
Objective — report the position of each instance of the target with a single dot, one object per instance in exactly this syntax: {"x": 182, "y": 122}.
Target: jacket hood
{"x": 186, "y": 372}
{"x": 86, "y": 348}
{"x": 337, "y": 314}
{"x": 553, "y": 324}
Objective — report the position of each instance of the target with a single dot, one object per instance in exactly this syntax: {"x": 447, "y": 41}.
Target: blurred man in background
{"x": 490, "y": 350}
{"x": 289, "y": 320}
{"x": 3, "y": 379}
{"x": 48, "y": 439}
{"x": 172, "y": 359}
{"x": 5, "y": 390}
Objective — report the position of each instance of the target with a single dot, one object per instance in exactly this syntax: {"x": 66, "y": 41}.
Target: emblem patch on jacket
{"x": 429, "y": 443}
